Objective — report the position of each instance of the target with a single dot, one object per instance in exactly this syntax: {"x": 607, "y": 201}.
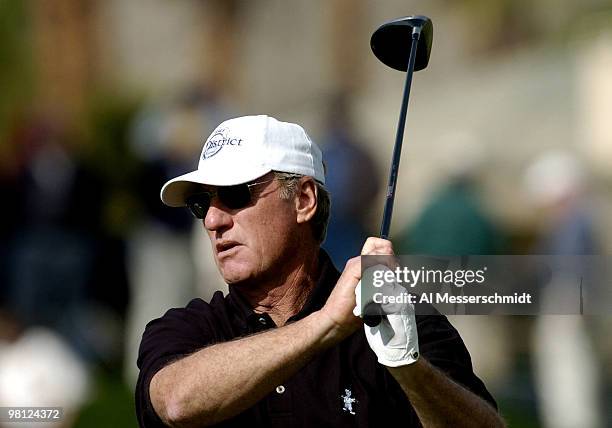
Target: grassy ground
{"x": 112, "y": 405}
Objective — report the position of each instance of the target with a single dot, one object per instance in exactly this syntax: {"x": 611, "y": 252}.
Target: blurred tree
{"x": 62, "y": 54}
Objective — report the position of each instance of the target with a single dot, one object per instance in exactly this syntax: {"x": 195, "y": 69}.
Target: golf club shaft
{"x": 399, "y": 137}
{"x": 374, "y": 308}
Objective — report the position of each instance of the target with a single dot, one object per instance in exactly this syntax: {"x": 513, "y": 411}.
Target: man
{"x": 284, "y": 348}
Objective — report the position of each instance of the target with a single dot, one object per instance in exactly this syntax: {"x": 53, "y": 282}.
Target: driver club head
{"x": 391, "y": 42}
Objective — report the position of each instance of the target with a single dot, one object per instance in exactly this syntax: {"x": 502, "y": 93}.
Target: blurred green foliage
{"x": 106, "y": 151}
{"x": 15, "y": 62}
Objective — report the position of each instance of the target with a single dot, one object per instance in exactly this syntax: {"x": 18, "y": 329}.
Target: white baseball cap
{"x": 245, "y": 148}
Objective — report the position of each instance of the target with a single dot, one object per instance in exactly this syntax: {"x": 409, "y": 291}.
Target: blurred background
{"x": 508, "y": 150}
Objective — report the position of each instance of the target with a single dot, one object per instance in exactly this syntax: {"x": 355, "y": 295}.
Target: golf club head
{"x": 391, "y": 42}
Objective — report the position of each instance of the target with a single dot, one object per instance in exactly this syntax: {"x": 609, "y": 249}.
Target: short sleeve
{"x": 178, "y": 333}
{"x": 442, "y": 346}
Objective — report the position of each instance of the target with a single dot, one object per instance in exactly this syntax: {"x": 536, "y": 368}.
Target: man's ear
{"x": 306, "y": 199}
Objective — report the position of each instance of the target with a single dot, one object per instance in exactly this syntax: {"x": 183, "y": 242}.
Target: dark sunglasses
{"x": 233, "y": 197}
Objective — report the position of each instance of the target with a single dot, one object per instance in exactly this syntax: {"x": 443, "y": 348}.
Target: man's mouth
{"x": 225, "y": 246}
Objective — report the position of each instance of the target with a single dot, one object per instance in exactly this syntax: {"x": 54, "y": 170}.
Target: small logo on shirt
{"x": 348, "y": 401}
{"x": 217, "y": 141}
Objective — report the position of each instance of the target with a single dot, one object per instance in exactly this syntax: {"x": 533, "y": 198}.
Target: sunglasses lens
{"x": 235, "y": 197}
{"x": 198, "y": 204}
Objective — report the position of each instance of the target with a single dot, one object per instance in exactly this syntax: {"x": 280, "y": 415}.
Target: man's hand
{"x": 340, "y": 304}
{"x": 394, "y": 340}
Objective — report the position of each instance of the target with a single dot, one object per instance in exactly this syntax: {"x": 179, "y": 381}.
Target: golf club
{"x": 388, "y": 43}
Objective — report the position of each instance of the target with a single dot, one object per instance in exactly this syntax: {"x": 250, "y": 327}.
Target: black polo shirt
{"x": 342, "y": 387}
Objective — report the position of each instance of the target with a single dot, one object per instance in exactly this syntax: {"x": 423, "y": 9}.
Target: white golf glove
{"x": 395, "y": 340}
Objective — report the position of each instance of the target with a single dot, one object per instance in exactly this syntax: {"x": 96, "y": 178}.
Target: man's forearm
{"x": 222, "y": 380}
{"x": 440, "y": 402}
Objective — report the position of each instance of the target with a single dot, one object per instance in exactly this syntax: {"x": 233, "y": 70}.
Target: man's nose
{"x": 217, "y": 217}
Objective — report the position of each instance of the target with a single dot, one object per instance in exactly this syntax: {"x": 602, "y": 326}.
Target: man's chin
{"x": 235, "y": 273}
